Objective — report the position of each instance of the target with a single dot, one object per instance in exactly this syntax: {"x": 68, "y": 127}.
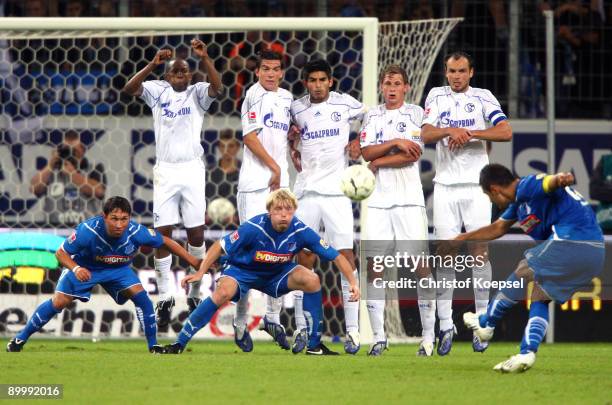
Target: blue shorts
{"x": 273, "y": 284}
{"x": 562, "y": 267}
{"x": 112, "y": 280}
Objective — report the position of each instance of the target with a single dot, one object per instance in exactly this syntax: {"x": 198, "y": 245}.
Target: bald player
{"x": 178, "y": 109}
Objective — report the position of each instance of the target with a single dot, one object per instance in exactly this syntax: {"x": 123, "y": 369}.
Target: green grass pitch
{"x": 216, "y": 372}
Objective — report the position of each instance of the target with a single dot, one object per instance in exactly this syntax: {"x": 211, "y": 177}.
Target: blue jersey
{"x": 258, "y": 247}
{"x": 92, "y": 248}
{"x": 560, "y": 214}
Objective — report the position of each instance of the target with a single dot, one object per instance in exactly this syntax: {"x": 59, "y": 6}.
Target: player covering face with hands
{"x": 259, "y": 255}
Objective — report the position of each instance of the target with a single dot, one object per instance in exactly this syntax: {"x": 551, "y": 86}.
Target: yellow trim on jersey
{"x": 546, "y": 183}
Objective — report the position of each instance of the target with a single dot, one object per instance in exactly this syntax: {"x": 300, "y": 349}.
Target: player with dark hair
{"x": 100, "y": 251}
{"x": 324, "y": 119}
{"x": 259, "y": 255}
{"x": 179, "y": 188}
{"x": 460, "y": 119}
{"x": 571, "y": 254}
{"x": 265, "y": 123}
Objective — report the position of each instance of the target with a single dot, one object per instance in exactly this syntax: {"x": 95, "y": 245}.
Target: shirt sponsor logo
{"x": 234, "y": 237}
{"x": 115, "y": 259}
{"x": 529, "y": 223}
{"x": 463, "y": 123}
{"x": 269, "y": 257}
{"x": 322, "y": 133}
{"x": 171, "y": 114}
{"x": 336, "y": 116}
{"x": 270, "y": 123}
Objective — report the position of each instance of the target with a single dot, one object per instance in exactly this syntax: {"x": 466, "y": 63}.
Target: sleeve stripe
{"x": 495, "y": 112}
{"x": 222, "y": 243}
{"x": 546, "y": 183}
{"x": 499, "y": 119}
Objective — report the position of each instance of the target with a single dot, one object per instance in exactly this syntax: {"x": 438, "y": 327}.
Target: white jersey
{"x": 324, "y": 133}
{"x": 178, "y": 119}
{"x": 402, "y": 185}
{"x": 476, "y": 109}
{"x": 266, "y": 112}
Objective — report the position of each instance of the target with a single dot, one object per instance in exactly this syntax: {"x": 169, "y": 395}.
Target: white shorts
{"x": 251, "y": 203}
{"x": 336, "y": 214}
{"x": 458, "y": 205}
{"x": 179, "y": 190}
{"x": 390, "y": 230}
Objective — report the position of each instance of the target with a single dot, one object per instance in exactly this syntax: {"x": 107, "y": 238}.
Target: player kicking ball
{"x": 572, "y": 253}
{"x": 100, "y": 251}
{"x": 259, "y": 255}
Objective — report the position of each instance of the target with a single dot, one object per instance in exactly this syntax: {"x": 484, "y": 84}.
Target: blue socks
{"x": 197, "y": 320}
{"x": 313, "y": 312}
{"x": 536, "y": 327}
{"x": 39, "y": 318}
{"x": 505, "y": 299}
{"x": 146, "y": 316}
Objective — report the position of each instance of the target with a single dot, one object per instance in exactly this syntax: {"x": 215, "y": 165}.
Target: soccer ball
{"x": 221, "y": 210}
{"x": 357, "y": 182}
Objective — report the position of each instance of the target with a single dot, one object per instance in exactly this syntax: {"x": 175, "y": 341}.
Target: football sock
{"x": 351, "y": 309}
{"x": 242, "y": 314}
{"x": 146, "y": 316}
{"x": 300, "y": 321}
{"x": 427, "y": 309}
{"x": 197, "y": 320}
{"x": 162, "y": 274}
{"x": 313, "y": 312}
{"x": 505, "y": 299}
{"x": 273, "y": 308}
{"x": 444, "y": 296}
{"x": 481, "y": 293}
{"x": 536, "y": 327}
{"x": 199, "y": 252}
{"x": 39, "y": 318}
{"x": 376, "y": 310}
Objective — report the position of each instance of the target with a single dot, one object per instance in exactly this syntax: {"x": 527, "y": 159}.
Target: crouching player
{"x": 259, "y": 255}
{"x": 571, "y": 254}
{"x": 100, "y": 251}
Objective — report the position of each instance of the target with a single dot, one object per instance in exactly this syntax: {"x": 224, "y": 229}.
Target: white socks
{"x": 376, "y": 309}
{"x": 162, "y": 274}
{"x": 427, "y": 310}
{"x": 481, "y": 295}
{"x": 351, "y": 309}
{"x": 298, "y": 299}
{"x": 273, "y": 308}
{"x": 242, "y": 312}
{"x": 199, "y": 252}
{"x": 445, "y": 298}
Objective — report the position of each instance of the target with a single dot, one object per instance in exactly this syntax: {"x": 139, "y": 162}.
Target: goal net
{"x": 60, "y": 81}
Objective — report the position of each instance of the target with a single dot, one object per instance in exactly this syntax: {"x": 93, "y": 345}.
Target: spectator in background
{"x": 600, "y": 189}
{"x": 222, "y": 179}
{"x": 73, "y": 188}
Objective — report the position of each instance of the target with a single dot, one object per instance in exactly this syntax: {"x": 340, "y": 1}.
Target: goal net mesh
{"x": 56, "y": 86}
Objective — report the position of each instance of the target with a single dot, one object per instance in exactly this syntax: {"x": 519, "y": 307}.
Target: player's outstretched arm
{"x": 199, "y": 48}
{"x": 213, "y": 254}
{"x": 556, "y": 181}
{"x": 502, "y": 132}
{"x": 180, "y": 251}
{"x": 64, "y": 259}
{"x": 252, "y": 142}
{"x": 346, "y": 269}
{"x": 134, "y": 86}
{"x": 489, "y": 232}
